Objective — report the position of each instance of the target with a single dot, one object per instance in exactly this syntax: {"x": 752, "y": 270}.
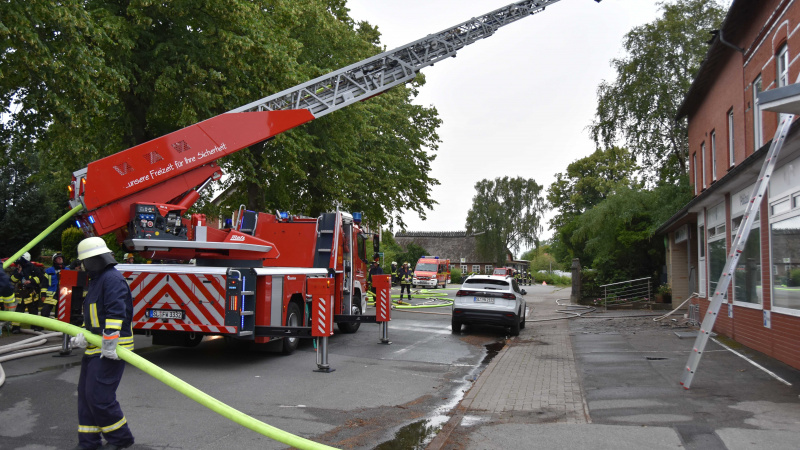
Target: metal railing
{"x": 627, "y": 292}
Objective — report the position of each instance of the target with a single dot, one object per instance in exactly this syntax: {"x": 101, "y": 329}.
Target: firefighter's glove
{"x": 109, "y": 348}
{"x": 79, "y": 341}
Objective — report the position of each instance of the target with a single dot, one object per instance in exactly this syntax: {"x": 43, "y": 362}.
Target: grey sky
{"x": 517, "y": 103}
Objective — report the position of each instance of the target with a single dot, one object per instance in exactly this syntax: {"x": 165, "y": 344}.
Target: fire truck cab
{"x": 431, "y": 271}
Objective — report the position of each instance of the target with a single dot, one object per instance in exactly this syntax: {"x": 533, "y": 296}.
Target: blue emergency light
{"x": 357, "y": 217}
{"x": 284, "y": 214}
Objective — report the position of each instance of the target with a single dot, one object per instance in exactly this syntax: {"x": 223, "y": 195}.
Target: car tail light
{"x": 509, "y": 296}
{"x": 462, "y": 293}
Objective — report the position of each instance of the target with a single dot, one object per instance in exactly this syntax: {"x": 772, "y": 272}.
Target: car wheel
{"x": 456, "y": 325}
{"x": 515, "y": 328}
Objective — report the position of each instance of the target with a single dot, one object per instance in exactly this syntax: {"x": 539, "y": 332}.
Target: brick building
{"x": 456, "y": 246}
{"x": 730, "y": 130}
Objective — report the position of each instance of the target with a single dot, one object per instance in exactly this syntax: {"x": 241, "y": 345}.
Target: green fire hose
{"x": 172, "y": 381}
{"x": 41, "y": 236}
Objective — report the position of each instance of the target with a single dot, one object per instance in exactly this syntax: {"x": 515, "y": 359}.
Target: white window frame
{"x": 701, "y": 253}
{"x": 476, "y": 268}
{"x": 731, "y": 154}
{"x": 464, "y": 269}
{"x": 758, "y": 132}
{"x": 489, "y": 269}
{"x": 703, "y": 152}
{"x": 715, "y": 232}
{"x": 784, "y": 203}
{"x": 694, "y": 166}
{"x": 739, "y": 202}
{"x": 782, "y": 69}
{"x": 713, "y": 155}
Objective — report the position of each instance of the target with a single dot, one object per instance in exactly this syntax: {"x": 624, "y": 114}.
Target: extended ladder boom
{"x": 169, "y": 169}
{"x": 380, "y": 73}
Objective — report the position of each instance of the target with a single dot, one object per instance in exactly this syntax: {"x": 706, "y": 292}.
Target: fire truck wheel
{"x": 351, "y": 327}
{"x": 292, "y": 320}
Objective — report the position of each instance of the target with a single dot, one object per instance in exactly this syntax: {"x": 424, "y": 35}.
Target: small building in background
{"x": 458, "y": 247}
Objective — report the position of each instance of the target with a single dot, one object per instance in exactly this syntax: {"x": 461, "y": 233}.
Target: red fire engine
{"x": 269, "y": 275}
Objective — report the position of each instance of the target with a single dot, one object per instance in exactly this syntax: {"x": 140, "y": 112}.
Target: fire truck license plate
{"x": 483, "y": 300}
{"x": 166, "y": 314}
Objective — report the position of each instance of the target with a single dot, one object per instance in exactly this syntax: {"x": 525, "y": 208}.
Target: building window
{"x": 784, "y": 232}
{"x": 476, "y": 268}
{"x": 713, "y": 156}
{"x": 694, "y": 169}
{"x": 489, "y": 269}
{"x": 747, "y": 275}
{"x": 717, "y": 251}
{"x": 463, "y": 269}
{"x": 783, "y": 65}
{"x": 757, "y": 131}
{"x": 701, "y": 254}
{"x": 731, "y": 156}
{"x": 703, "y": 155}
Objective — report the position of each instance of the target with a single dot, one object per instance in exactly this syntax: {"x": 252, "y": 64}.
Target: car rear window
{"x": 486, "y": 283}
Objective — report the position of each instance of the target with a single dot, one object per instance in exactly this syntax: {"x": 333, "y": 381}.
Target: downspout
{"x": 728, "y": 44}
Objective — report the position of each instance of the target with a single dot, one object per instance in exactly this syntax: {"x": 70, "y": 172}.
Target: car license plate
{"x": 166, "y": 314}
{"x": 484, "y": 300}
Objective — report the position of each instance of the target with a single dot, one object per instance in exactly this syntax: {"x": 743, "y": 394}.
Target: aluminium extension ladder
{"x": 736, "y": 249}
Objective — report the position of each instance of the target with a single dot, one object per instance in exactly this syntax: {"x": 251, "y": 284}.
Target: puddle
{"x": 417, "y": 435}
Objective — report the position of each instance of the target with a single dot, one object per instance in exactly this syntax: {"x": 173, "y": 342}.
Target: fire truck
{"x": 269, "y": 275}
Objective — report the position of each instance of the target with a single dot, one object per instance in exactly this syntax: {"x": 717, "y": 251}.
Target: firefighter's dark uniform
{"x": 108, "y": 307}
{"x": 29, "y": 280}
{"x": 405, "y": 280}
{"x": 49, "y": 292}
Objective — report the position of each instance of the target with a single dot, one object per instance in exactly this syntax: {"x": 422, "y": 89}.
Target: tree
{"x": 87, "y": 79}
{"x": 586, "y": 183}
{"x": 619, "y": 233}
{"x": 640, "y": 106}
{"x": 505, "y": 214}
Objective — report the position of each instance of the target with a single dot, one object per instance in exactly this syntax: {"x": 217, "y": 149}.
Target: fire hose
{"x": 172, "y": 381}
{"x": 36, "y": 341}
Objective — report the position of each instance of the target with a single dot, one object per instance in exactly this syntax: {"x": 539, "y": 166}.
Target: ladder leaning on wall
{"x": 737, "y": 247}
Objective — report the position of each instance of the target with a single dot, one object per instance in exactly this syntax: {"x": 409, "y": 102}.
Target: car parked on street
{"x": 490, "y": 300}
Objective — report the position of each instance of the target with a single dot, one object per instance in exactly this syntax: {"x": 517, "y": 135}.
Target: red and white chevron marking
{"x": 382, "y": 307}
{"x": 200, "y": 296}
{"x": 63, "y": 293}
{"x": 322, "y": 320}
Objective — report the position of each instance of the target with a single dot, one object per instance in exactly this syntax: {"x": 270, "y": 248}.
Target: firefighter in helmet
{"x": 128, "y": 258}
{"x": 107, "y": 311}
{"x": 29, "y": 280}
{"x": 49, "y": 292}
{"x": 405, "y": 277}
{"x": 394, "y": 273}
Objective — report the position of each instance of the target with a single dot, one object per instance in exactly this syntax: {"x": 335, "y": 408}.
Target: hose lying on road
{"x": 36, "y": 341}
{"x": 172, "y": 381}
{"x": 694, "y": 294}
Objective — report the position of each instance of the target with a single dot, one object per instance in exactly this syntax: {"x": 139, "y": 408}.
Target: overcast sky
{"x": 517, "y": 103}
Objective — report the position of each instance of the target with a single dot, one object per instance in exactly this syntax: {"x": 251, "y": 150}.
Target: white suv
{"x": 491, "y": 300}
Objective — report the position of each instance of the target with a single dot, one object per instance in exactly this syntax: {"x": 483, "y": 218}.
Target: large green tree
{"x": 505, "y": 214}
{"x": 89, "y": 78}
{"x": 638, "y": 108}
{"x": 586, "y": 183}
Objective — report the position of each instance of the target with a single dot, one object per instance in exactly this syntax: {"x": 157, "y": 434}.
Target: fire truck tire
{"x": 292, "y": 320}
{"x": 350, "y": 327}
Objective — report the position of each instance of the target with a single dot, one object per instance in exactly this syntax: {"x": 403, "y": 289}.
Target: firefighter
{"x": 128, "y": 258}
{"x": 49, "y": 297}
{"x": 405, "y": 277}
{"x": 375, "y": 269}
{"x": 29, "y": 280}
{"x": 394, "y": 273}
{"x": 6, "y": 290}
{"x": 107, "y": 311}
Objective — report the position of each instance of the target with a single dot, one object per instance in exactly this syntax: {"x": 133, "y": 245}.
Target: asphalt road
{"x": 379, "y": 396}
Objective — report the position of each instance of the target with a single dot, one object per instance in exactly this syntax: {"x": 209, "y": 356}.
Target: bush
{"x": 794, "y": 278}
{"x": 455, "y": 276}
{"x": 552, "y": 279}
{"x": 69, "y": 243}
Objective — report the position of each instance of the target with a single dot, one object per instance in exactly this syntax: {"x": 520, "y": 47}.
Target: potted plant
{"x": 664, "y": 294}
